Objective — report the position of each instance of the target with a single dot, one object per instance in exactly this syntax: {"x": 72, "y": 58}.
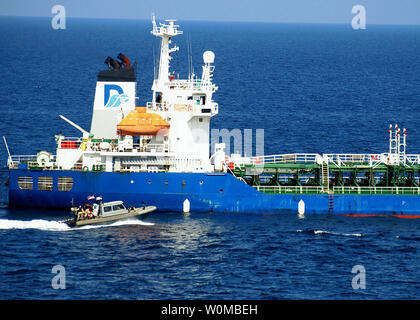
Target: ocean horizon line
{"x": 222, "y": 21}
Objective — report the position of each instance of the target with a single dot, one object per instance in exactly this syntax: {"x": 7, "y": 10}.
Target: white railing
{"x": 340, "y": 159}
{"x": 23, "y": 158}
{"x": 286, "y": 158}
{"x": 191, "y": 106}
{"x": 30, "y": 160}
{"x": 412, "y": 158}
{"x": 166, "y": 29}
{"x": 192, "y": 84}
{"x": 174, "y": 164}
{"x": 77, "y": 139}
{"x": 158, "y": 106}
{"x": 290, "y": 189}
{"x": 371, "y": 159}
{"x": 377, "y": 190}
{"x": 196, "y": 84}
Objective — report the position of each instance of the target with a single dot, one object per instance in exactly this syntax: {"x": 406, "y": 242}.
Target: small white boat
{"x": 104, "y": 212}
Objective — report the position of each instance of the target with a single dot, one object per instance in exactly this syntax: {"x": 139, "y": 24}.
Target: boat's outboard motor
{"x": 112, "y": 63}
{"x": 124, "y": 61}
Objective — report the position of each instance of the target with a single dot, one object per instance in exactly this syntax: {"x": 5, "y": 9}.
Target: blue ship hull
{"x": 207, "y": 192}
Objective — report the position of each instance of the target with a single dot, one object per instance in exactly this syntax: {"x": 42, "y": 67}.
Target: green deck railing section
{"x": 289, "y": 176}
{"x": 339, "y": 190}
{"x": 377, "y": 190}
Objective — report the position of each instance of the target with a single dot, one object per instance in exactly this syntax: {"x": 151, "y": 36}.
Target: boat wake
{"x": 317, "y": 232}
{"x": 34, "y": 224}
{"x": 116, "y": 224}
{"x": 48, "y": 225}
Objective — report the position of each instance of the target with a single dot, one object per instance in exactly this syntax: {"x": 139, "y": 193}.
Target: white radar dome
{"x": 208, "y": 57}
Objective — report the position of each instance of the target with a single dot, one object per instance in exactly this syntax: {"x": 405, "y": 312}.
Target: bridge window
{"x": 65, "y": 183}
{"x": 45, "y": 183}
{"x": 26, "y": 183}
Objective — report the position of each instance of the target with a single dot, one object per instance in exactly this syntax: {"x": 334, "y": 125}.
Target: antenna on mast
{"x": 189, "y": 52}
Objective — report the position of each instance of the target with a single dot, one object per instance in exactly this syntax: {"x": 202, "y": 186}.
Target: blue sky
{"x": 307, "y": 11}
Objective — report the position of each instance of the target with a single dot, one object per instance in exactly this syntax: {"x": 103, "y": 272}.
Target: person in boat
{"x": 88, "y": 211}
{"x": 89, "y": 214}
{"x": 95, "y": 210}
{"x": 78, "y": 212}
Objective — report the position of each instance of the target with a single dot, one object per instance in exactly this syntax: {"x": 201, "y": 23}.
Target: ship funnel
{"x": 115, "y": 97}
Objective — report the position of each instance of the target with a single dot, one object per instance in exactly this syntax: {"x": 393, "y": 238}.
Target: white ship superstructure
{"x": 171, "y": 133}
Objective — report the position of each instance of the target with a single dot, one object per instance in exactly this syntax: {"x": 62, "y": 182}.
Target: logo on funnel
{"x": 114, "y": 100}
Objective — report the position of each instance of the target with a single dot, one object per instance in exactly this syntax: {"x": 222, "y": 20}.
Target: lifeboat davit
{"x": 140, "y": 123}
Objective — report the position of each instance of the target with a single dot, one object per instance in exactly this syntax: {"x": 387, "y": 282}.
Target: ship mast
{"x": 165, "y": 32}
{"x": 397, "y": 145}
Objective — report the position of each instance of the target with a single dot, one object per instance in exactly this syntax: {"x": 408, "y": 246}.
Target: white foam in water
{"x": 60, "y": 226}
{"x": 338, "y": 234}
{"x": 33, "y": 224}
{"x": 116, "y": 224}
{"x": 334, "y": 233}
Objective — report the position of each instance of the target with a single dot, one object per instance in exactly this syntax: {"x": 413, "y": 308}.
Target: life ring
{"x": 83, "y": 146}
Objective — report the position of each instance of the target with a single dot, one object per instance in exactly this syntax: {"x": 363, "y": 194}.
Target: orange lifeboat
{"x": 140, "y": 123}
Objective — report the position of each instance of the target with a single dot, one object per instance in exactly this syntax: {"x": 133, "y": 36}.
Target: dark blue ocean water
{"x": 312, "y": 88}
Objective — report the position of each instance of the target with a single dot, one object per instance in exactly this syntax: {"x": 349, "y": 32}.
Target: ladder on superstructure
{"x": 325, "y": 172}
